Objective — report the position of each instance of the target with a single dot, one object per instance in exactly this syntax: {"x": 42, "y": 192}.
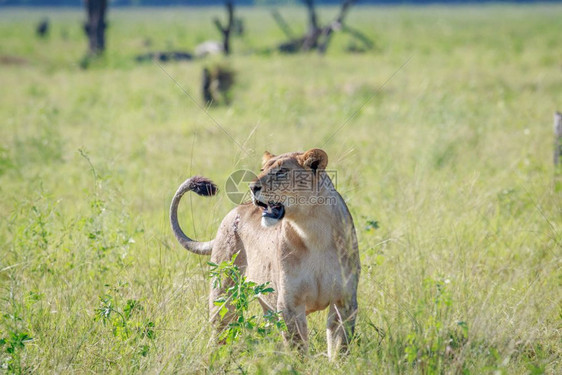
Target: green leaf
{"x": 223, "y": 311}
{"x": 372, "y": 224}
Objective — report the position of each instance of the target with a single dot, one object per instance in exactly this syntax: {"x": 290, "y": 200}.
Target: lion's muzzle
{"x": 272, "y": 213}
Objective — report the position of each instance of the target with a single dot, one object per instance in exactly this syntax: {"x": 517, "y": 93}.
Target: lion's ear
{"x": 266, "y": 156}
{"x": 315, "y": 159}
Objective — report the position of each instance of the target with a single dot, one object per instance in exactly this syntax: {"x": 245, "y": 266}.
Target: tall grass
{"x": 446, "y": 168}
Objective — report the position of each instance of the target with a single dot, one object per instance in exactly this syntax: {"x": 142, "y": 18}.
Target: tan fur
{"x": 310, "y": 256}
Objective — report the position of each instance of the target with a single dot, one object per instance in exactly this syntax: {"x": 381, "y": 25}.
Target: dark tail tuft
{"x": 203, "y": 186}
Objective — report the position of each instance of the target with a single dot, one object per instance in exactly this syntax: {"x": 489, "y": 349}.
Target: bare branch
{"x": 283, "y": 25}
{"x": 312, "y": 19}
{"x": 326, "y": 34}
{"x": 225, "y": 31}
{"x": 218, "y": 24}
{"x": 359, "y": 35}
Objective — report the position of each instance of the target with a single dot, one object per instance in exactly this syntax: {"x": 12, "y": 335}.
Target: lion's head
{"x": 289, "y": 182}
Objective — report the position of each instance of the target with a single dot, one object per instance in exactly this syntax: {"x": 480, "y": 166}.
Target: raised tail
{"x": 201, "y": 186}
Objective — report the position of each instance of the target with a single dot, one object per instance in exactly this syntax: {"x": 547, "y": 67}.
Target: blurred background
{"x": 438, "y": 121}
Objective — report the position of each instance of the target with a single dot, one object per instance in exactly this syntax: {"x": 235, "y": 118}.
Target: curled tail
{"x": 201, "y": 186}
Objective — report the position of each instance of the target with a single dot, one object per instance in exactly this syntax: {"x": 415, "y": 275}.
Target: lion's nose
{"x": 255, "y": 187}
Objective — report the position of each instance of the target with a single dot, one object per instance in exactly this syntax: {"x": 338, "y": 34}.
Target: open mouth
{"x": 271, "y": 210}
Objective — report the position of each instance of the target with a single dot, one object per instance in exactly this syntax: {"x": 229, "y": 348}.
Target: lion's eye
{"x": 282, "y": 172}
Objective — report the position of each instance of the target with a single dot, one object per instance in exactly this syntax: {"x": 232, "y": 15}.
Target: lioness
{"x": 297, "y": 234}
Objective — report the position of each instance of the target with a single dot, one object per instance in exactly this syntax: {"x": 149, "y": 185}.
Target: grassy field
{"x": 446, "y": 166}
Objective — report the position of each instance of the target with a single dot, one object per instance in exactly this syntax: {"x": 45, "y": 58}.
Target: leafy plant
{"x": 11, "y": 348}
{"x": 236, "y": 303}
{"x": 372, "y": 225}
{"x": 124, "y": 320}
{"x": 98, "y": 226}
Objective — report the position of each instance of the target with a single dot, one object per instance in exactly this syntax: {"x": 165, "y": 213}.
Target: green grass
{"x": 452, "y": 158}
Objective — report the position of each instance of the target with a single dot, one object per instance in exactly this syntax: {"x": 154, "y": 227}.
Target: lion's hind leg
{"x": 340, "y": 327}
{"x": 221, "y": 313}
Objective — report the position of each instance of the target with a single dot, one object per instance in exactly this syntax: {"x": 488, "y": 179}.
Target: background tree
{"x": 225, "y": 30}
{"x": 95, "y": 25}
{"x": 318, "y": 36}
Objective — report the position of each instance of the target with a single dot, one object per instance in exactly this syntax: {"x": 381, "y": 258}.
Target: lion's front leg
{"x": 340, "y": 326}
{"x": 297, "y": 329}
